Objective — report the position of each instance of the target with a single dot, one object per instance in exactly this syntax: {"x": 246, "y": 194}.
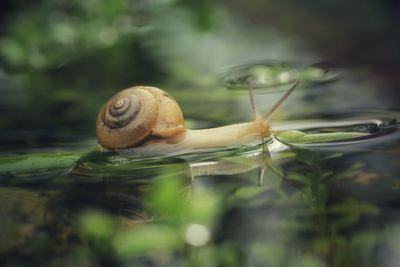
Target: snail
{"x": 148, "y": 120}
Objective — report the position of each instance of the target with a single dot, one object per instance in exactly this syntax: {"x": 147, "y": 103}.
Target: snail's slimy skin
{"x": 220, "y": 137}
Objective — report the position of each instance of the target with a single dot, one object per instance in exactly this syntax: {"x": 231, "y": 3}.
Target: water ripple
{"x": 276, "y": 75}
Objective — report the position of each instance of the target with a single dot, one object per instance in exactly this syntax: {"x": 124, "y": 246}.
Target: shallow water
{"x": 325, "y": 196}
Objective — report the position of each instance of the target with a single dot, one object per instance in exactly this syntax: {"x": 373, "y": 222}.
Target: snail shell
{"x": 136, "y": 113}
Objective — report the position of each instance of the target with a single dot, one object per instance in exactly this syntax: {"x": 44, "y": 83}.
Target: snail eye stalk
{"x": 256, "y": 112}
{"x": 268, "y": 115}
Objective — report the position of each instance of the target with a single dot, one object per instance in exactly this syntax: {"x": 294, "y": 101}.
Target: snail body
{"x": 150, "y": 121}
{"x": 225, "y": 136}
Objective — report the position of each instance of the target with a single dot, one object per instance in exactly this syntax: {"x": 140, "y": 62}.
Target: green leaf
{"x": 37, "y": 164}
{"x": 297, "y": 137}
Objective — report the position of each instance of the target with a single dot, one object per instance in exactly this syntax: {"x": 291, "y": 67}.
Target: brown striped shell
{"x": 136, "y": 113}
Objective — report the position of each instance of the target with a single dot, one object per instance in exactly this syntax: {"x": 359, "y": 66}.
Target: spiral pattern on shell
{"x": 121, "y": 111}
{"x": 133, "y": 114}
{"x": 127, "y": 118}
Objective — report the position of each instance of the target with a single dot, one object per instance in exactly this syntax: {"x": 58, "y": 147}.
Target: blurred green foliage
{"x": 163, "y": 239}
{"x": 152, "y": 215}
{"x": 51, "y": 33}
{"x": 62, "y": 59}
{"x": 313, "y": 226}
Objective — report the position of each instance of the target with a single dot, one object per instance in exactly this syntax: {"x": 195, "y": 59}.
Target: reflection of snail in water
{"x": 149, "y": 120}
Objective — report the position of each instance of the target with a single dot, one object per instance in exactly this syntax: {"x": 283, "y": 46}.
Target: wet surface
{"x": 327, "y": 186}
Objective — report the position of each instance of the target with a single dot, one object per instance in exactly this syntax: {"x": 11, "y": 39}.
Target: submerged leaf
{"x": 297, "y": 137}
{"x": 37, "y": 164}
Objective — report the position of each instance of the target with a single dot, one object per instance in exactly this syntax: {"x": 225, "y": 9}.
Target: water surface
{"x": 321, "y": 198}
